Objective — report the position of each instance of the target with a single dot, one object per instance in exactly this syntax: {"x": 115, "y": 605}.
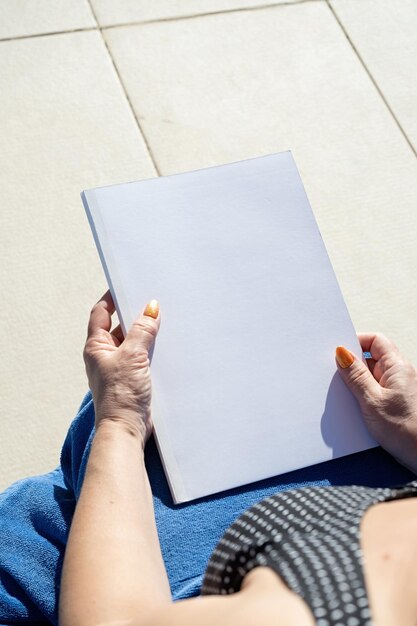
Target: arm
{"x": 113, "y": 571}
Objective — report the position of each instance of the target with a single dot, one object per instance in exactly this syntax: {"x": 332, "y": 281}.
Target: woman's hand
{"x": 118, "y": 369}
{"x": 387, "y": 395}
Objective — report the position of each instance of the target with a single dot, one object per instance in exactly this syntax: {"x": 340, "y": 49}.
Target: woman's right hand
{"x": 387, "y": 395}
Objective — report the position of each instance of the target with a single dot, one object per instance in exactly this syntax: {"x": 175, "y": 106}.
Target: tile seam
{"x": 161, "y": 19}
{"x": 372, "y": 79}
{"x": 49, "y": 34}
{"x": 92, "y": 13}
{"x": 208, "y": 14}
{"x": 135, "y": 117}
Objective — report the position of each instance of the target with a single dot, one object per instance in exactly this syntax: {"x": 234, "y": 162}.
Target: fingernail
{"x": 152, "y": 309}
{"x": 344, "y": 357}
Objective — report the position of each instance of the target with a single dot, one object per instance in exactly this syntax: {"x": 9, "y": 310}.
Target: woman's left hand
{"x": 118, "y": 369}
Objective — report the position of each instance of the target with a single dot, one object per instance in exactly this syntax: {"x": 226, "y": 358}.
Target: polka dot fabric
{"x": 311, "y": 538}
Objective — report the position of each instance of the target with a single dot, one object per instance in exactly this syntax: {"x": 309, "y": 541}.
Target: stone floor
{"x": 95, "y": 92}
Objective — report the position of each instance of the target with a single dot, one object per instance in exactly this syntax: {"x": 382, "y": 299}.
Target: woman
{"x": 113, "y": 570}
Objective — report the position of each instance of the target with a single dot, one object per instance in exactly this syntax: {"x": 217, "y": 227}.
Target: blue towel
{"x": 36, "y": 513}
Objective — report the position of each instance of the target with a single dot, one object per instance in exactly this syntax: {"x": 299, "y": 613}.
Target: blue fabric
{"x": 36, "y": 512}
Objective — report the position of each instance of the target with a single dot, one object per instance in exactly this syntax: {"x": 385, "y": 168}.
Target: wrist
{"x": 121, "y": 425}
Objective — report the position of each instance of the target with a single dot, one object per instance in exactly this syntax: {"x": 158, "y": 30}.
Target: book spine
{"x": 105, "y": 254}
{"x": 170, "y": 465}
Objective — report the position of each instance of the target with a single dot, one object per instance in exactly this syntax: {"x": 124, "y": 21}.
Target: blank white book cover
{"x": 245, "y": 385}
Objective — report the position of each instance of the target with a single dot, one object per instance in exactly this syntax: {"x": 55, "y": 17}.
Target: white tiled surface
{"x": 66, "y": 126}
{"x": 205, "y": 90}
{"x": 32, "y": 17}
{"x": 385, "y": 34}
{"x": 109, "y": 12}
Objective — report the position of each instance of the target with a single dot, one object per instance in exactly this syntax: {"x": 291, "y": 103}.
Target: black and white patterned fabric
{"x": 311, "y": 538}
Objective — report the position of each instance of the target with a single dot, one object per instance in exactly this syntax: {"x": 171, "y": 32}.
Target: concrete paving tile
{"x": 221, "y": 88}
{"x": 384, "y": 33}
{"x": 65, "y": 126}
{"x": 33, "y": 17}
{"x": 110, "y": 13}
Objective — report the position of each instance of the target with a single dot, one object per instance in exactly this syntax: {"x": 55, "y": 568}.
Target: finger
{"x": 377, "y": 344}
{"x": 118, "y": 333}
{"x": 145, "y": 328}
{"x": 100, "y": 316}
{"x": 371, "y": 365}
{"x": 357, "y": 376}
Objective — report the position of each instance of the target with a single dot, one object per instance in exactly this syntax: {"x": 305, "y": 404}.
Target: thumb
{"x": 357, "y": 376}
{"x": 145, "y": 328}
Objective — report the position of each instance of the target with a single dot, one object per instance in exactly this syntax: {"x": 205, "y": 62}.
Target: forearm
{"x": 113, "y": 569}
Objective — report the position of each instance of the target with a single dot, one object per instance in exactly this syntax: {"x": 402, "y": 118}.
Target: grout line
{"x": 126, "y": 94}
{"x": 92, "y": 12}
{"x": 55, "y": 32}
{"x": 207, "y": 14}
{"x": 154, "y": 21}
{"x": 377, "y": 87}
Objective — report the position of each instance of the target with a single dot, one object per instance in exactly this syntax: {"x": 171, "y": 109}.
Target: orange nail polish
{"x": 152, "y": 309}
{"x": 344, "y": 357}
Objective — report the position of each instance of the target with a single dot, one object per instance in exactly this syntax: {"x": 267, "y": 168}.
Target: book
{"x": 245, "y": 384}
